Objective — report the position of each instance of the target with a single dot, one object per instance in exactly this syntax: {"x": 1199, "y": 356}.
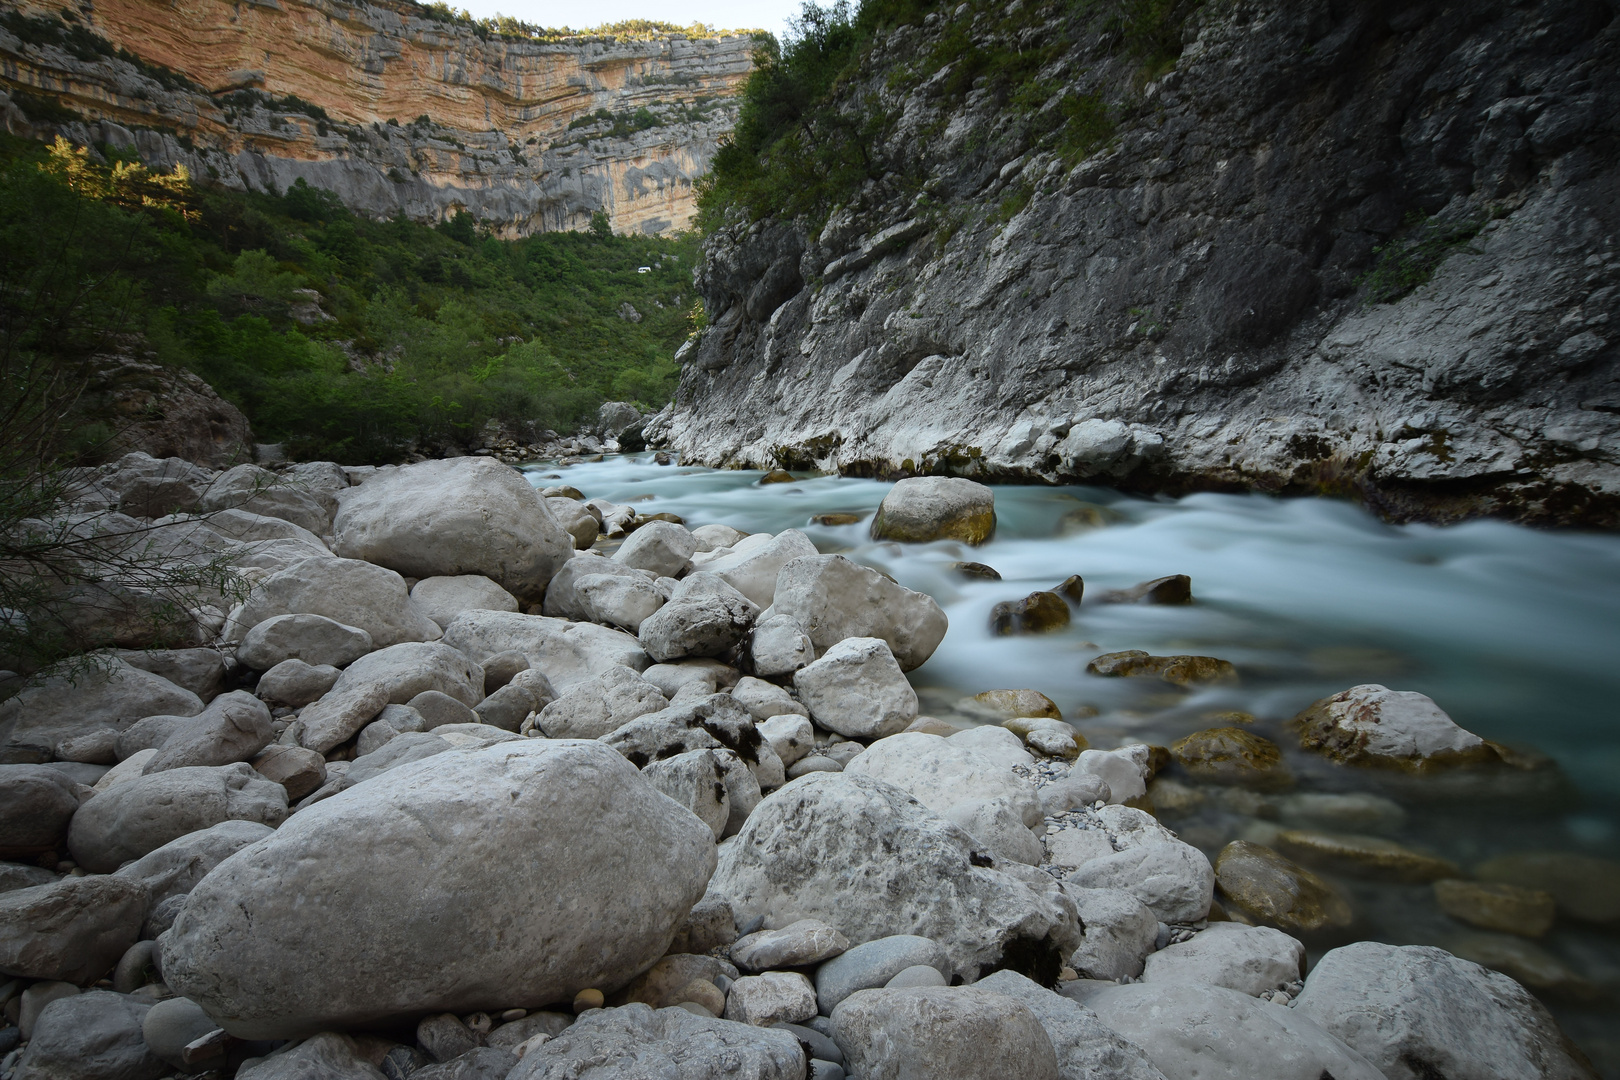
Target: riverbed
{"x": 1515, "y": 632}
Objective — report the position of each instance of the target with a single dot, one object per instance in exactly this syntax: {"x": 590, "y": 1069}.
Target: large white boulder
{"x": 662, "y": 548}
{"x": 857, "y": 689}
{"x": 347, "y": 591}
{"x": 74, "y": 929}
{"x": 864, "y": 857}
{"x": 924, "y": 508}
{"x": 703, "y": 617}
{"x": 518, "y": 875}
{"x": 567, "y": 652}
{"x": 90, "y": 709}
{"x": 1192, "y": 1031}
{"x": 832, "y": 598}
{"x": 443, "y": 598}
{"x": 961, "y": 1032}
{"x": 1417, "y": 1012}
{"x": 753, "y": 570}
{"x": 1373, "y": 724}
{"x": 1250, "y": 959}
{"x": 940, "y": 774}
{"x": 469, "y": 515}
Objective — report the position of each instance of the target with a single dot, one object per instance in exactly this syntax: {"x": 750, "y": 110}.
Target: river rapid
{"x": 1514, "y": 632}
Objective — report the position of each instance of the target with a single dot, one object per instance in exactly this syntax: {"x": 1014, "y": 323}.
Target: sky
{"x": 769, "y": 15}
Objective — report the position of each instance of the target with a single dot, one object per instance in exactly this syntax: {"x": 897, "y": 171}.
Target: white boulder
{"x": 1249, "y": 959}
{"x": 832, "y": 598}
{"x": 857, "y": 689}
{"x": 443, "y": 598}
{"x": 347, "y": 591}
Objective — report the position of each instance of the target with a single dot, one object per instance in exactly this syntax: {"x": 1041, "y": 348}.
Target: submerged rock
{"x": 1180, "y": 670}
{"x": 1508, "y": 908}
{"x": 1586, "y": 887}
{"x": 1231, "y": 755}
{"x": 1276, "y": 891}
{"x": 1037, "y": 613}
{"x": 1175, "y": 589}
{"x": 1364, "y": 856}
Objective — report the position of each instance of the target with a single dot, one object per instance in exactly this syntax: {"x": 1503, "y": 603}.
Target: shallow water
{"x": 1515, "y": 632}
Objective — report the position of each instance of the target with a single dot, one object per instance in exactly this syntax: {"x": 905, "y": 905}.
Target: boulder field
{"x": 444, "y": 797}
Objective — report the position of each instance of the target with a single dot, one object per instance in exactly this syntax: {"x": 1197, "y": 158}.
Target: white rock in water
{"x": 443, "y": 598}
{"x": 1191, "y": 1030}
{"x": 703, "y": 617}
{"x": 1120, "y": 931}
{"x": 568, "y": 652}
{"x": 832, "y": 599}
{"x": 753, "y": 570}
{"x": 961, "y": 1032}
{"x": 314, "y": 639}
{"x": 924, "y": 508}
{"x": 863, "y": 856}
{"x": 1418, "y": 1012}
{"x": 1249, "y": 959}
{"x": 636, "y": 1040}
{"x": 601, "y": 705}
{"x": 105, "y": 701}
{"x": 519, "y": 874}
{"x": 857, "y": 689}
{"x": 1087, "y": 1049}
{"x": 941, "y": 773}
{"x": 134, "y": 818}
{"x": 780, "y": 647}
{"x": 347, "y": 591}
{"x": 663, "y": 548}
{"x": 1124, "y": 770}
{"x": 1372, "y": 723}
{"x": 467, "y": 515}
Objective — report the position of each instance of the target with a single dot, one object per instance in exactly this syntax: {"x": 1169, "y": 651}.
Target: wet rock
{"x": 456, "y": 516}
{"x": 1586, "y": 887}
{"x": 963, "y": 1032}
{"x": 1417, "y": 1012}
{"x": 977, "y": 570}
{"x": 1508, "y": 908}
{"x": 704, "y": 616}
{"x": 36, "y": 805}
{"x": 807, "y": 941}
{"x": 862, "y": 856}
{"x": 1037, "y": 613}
{"x": 697, "y": 781}
{"x": 1231, "y": 755}
{"x": 771, "y": 998}
{"x": 779, "y": 647}
{"x": 637, "y": 1040}
{"x": 347, "y": 591}
{"x": 72, "y": 930}
{"x": 1191, "y": 1030}
{"x": 777, "y": 476}
{"x": 601, "y": 705}
{"x": 295, "y": 684}
{"x": 234, "y": 727}
{"x": 857, "y": 688}
{"x": 1011, "y": 704}
{"x": 1249, "y": 959}
{"x": 753, "y": 571}
{"x": 1175, "y": 589}
{"x": 459, "y": 816}
{"x": 91, "y": 1036}
{"x": 660, "y": 548}
{"x": 1357, "y": 812}
{"x": 1373, "y": 725}
{"x": 175, "y": 868}
{"x": 1179, "y": 670}
{"x": 832, "y": 599}
{"x": 927, "y": 508}
{"x": 37, "y": 723}
{"x": 141, "y": 816}
{"x": 1276, "y": 891}
{"x": 1364, "y": 856}
{"x": 1535, "y": 968}
{"x": 443, "y": 598}
{"x": 314, "y": 639}
{"x": 873, "y": 964}
{"x": 1119, "y": 932}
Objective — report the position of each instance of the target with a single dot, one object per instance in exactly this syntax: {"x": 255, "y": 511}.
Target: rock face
{"x": 489, "y": 903}
{"x": 504, "y": 127}
{"x": 1091, "y": 330}
{"x": 1417, "y": 1012}
{"x": 455, "y": 517}
{"x": 936, "y": 508}
{"x": 863, "y": 857}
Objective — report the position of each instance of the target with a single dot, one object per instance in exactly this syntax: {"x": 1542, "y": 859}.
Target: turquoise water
{"x": 1515, "y": 632}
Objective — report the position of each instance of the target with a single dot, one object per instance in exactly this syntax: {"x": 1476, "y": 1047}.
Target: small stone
{"x": 762, "y": 1000}
{"x": 709, "y": 925}
{"x": 777, "y": 476}
{"x": 835, "y": 519}
{"x": 705, "y": 993}
{"x": 1365, "y": 856}
{"x": 1276, "y": 891}
{"x": 813, "y": 763}
{"x": 916, "y": 976}
{"x": 1508, "y": 908}
{"x": 590, "y": 998}
{"x": 1175, "y": 589}
{"x": 172, "y": 1024}
{"x": 444, "y": 1036}
{"x": 1058, "y": 741}
{"x": 512, "y": 1014}
{"x": 857, "y": 689}
{"x": 976, "y": 570}
{"x": 807, "y": 941}
{"x": 1011, "y": 704}
{"x": 1231, "y": 755}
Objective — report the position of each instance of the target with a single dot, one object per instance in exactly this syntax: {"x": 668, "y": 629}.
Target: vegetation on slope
{"x": 346, "y": 338}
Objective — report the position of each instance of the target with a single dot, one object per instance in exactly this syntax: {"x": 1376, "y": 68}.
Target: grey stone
{"x": 763, "y": 1000}
{"x": 577, "y": 521}
{"x": 500, "y": 669}
{"x": 704, "y": 616}
{"x": 295, "y": 768}
{"x": 508, "y": 707}
{"x": 709, "y": 925}
{"x": 864, "y": 857}
{"x": 36, "y": 722}
{"x": 202, "y": 671}
{"x": 347, "y": 591}
{"x": 697, "y": 677}
{"x": 798, "y": 944}
{"x": 963, "y": 1032}
{"x": 455, "y": 819}
{"x": 36, "y": 805}
{"x": 622, "y": 600}
{"x": 779, "y": 646}
{"x": 260, "y": 491}
{"x": 1119, "y": 933}
{"x": 325, "y": 1056}
{"x": 872, "y": 964}
{"x": 813, "y": 763}
{"x": 32, "y": 1001}
{"x": 413, "y": 667}
{"x": 713, "y": 537}
{"x": 314, "y": 639}
{"x": 457, "y": 516}
{"x": 1417, "y": 1012}
{"x": 73, "y": 930}
{"x": 601, "y": 705}
{"x": 696, "y": 781}
{"x": 563, "y": 599}
{"x": 295, "y": 684}
{"x": 1085, "y": 1046}
{"x": 923, "y": 508}
{"x": 22, "y": 876}
{"x": 832, "y": 599}
{"x": 671, "y": 1044}
{"x": 913, "y": 977}
{"x": 568, "y": 652}
{"x": 172, "y": 1023}
{"x": 941, "y": 773}
{"x": 234, "y": 727}
{"x": 175, "y": 868}
{"x": 338, "y": 715}
{"x": 857, "y": 689}
{"x": 138, "y": 817}
{"x": 437, "y": 708}
{"x": 443, "y": 598}
{"x": 132, "y": 969}
{"x": 714, "y": 722}
{"x": 444, "y": 1036}
{"x": 765, "y": 700}
{"x": 790, "y": 735}
{"x": 662, "y": 984}
{"x": 405, "y": 748}
{"x": 511, "y": 1035}
{"x": 659, "y": 547}
{"x": 91, "y": 1036}
{"x": 480, "y": 1063}
{"x": 1250, "y": 959}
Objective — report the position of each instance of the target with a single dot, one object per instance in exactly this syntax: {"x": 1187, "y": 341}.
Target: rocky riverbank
{"x": 480, "y": 781}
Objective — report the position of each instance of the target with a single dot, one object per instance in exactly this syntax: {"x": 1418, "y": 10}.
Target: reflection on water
{"x": 1514, "y": 632}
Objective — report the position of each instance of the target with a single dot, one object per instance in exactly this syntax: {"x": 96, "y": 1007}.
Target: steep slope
{"x": 385, "y": 104}
{"x": 1355, "y": 246}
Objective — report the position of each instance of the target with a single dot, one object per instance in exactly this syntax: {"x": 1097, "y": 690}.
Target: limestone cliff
{"x": 1341, "y": 245}
{"x": 387, "y": 106}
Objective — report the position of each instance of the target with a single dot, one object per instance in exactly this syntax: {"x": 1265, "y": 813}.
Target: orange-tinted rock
{"x": 1230, "y": 755}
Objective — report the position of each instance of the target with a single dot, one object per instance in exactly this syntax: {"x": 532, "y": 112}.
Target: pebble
{"x": 588, "y": 999}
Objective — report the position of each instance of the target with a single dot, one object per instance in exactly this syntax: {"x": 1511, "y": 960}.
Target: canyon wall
{"x": 1347, "y": 246}
{"x": 394, "y": 110}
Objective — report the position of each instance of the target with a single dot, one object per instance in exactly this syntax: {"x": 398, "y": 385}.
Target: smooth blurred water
{"x": 1514, "y": 631}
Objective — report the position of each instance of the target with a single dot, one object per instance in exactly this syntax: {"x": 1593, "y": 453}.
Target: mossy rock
{"x": 1276, "y": 891}
{"x": 1364, "y": 856}
{"x": 1229, "y": 755}
{"x": 778, "y": 476}
{"x": 834, "y": 518}
{"x": 1492, "y": 906}
{"x": 1173, "y": 589}
{"x": 1009, "y": 704}
{"x": 926, "y": 508}
{"x": 1037, "y": 613}
{"x": 1178, "y": 670}
{"x": 976, "y": 570}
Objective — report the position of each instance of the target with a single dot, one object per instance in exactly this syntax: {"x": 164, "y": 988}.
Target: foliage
{"x": 344, "y": 337}
{"x": 1410, "y": 260}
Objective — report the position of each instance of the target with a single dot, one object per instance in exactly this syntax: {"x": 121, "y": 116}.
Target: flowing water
{"x": 1515, "y": 632}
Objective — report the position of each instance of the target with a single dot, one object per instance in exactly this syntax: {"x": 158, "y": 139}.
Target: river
{"x": 1515, "y": 632}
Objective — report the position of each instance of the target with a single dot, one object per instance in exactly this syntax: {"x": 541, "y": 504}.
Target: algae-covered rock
{"x": 1277, "y": 891}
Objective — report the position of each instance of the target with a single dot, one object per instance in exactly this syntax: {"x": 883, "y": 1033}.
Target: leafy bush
{"x": 1410, "y": 260}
